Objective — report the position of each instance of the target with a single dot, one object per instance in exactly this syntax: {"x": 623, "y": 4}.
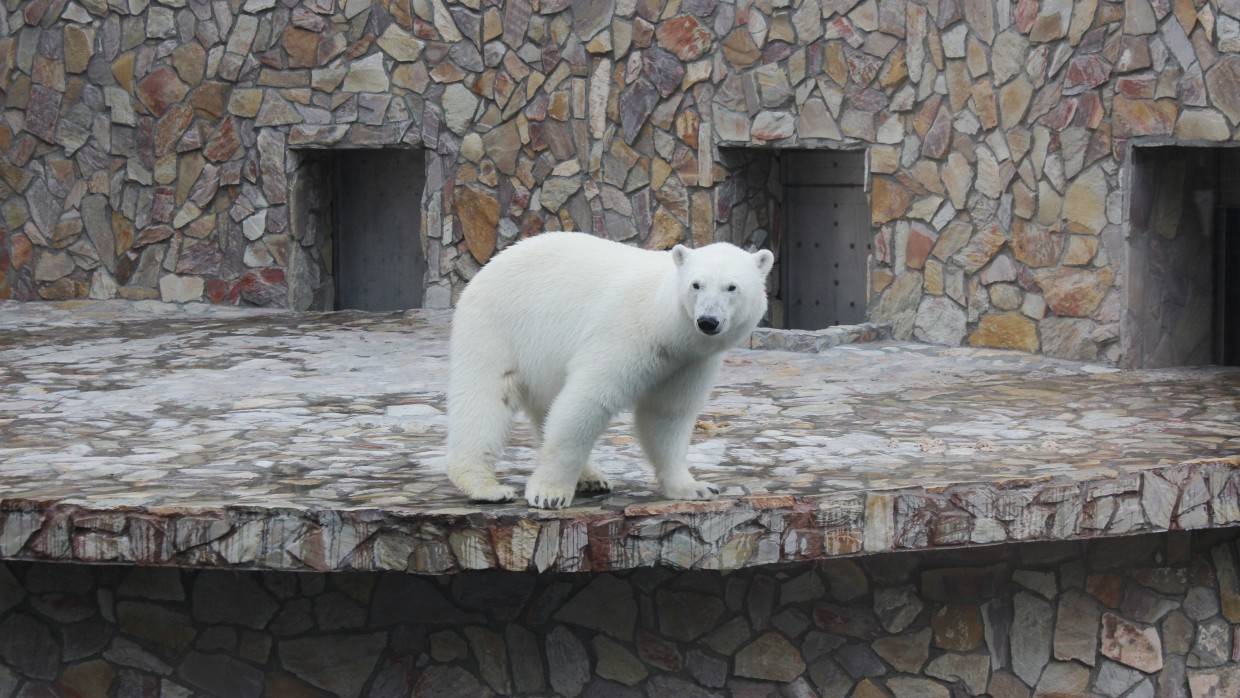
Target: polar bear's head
{"x": 722, "y": 288}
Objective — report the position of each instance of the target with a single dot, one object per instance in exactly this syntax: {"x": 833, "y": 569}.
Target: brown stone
{"x": 301, "y": 46}
{"x": 1223, "y": 83}
{"x": 478, "y": 213}
{"x": 921, "y": 239}
{"x": 1035, "y": 245}
{"x": 1130, "y": 644}
{"x": 161, "y": 89}
{"x": 739, "y": 48}
{"x": 190, "y": 62}
{"x": 1107, "y": 588}
{"x": 888, "y": 200}
{"x": 666, "y": 232}
{"x": 957, "y": 627}
{"x": 1073, "y": 291}
{"x": 211, "y": 98}
{"x": 78, "y": 47}
{"x": 91, "y": 679}
{"x": 1143, "y": 117}
{"x": 981, "y": 247}
{"x": 1005, "y": 331}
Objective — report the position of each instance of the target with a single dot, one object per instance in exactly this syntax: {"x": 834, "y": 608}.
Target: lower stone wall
{"x": 1140, "y": 616}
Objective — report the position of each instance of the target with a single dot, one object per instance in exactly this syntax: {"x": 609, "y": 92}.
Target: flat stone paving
{"x": 200, "y": 436}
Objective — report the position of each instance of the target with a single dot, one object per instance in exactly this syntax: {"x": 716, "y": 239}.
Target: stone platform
{"x": 203, "y": 437}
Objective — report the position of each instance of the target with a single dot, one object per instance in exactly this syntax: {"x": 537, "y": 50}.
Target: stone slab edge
{"x": 729, "y": 533}
{"x": 815, "y": 341}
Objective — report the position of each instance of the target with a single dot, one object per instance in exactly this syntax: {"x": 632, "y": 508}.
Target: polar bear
{"x": 572, "y": 329}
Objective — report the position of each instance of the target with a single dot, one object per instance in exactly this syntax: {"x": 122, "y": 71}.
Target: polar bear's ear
{"x": 765, "y": 260}
{"x": 680, "y": 253}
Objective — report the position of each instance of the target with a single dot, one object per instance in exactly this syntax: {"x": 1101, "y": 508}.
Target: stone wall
{"x": 1140, "y": 616}
{"x": 150, "y": 147}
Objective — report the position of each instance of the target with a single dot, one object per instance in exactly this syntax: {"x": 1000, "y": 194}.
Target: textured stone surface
{"x": 526, "y": 650}
{"x": 939, "y": 486}
{"x": 1029, "y": 107}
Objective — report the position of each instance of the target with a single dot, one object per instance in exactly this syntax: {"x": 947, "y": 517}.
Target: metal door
{"x": 376, "y": 204}
{"x": 827, "y": 239}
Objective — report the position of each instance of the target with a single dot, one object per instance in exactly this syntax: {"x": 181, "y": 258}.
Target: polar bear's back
{"x": 549, "y": 295}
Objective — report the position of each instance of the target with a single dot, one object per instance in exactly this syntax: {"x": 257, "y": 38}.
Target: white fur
{"x": 573, "y": 329}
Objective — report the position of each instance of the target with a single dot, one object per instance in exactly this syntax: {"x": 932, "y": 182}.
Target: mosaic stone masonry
{"x": 158, "y": 150}
{"x": 1140, "y": 617}
{"x": 138, "y": 435}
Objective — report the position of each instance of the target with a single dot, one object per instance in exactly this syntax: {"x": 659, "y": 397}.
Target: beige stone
{"x": 1084, "y": 208}
{"x": 1073, "y": 291}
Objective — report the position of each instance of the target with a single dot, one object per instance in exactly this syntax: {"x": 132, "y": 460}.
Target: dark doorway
{"x": 1184, "y": 258}
{"x": 376, "y": 220}
{"x": 826, "y": 238}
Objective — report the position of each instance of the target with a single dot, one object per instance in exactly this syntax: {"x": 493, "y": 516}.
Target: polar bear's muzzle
{"x": 709, "y": 324}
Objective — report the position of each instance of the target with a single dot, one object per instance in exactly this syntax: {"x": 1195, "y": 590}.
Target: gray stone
{"x": 1076, "y": 627}
{"x": 1212, "y": 645}
{"x": 617, "y": 663}
{"x": 972, "y": 669}
{"x": 939, "y": 321}
{"x": 908, "y": 687}
{"x": 569, "y": 663}
{"x": 770, "y": 657}
{"x": 846, "y": 578}
{"x": 1041, "y": 582}
{"x": 1144, "y": 606}
{"x": 1030, "y": 636}
{"x": 897, "y": 607}
{"x": 336, "y": 611}
{"x": 160, "y": 626}
{"x": 806, "y": 586}
{"x": 221, "y": 675}
{"x": 906, "y": 653}
{"x": 1114, "y": 679}
{"x": 791, "y": 621}
{"x": 707, "y": 670}
{"x": 233, "y": 598}
{"x": 687, "y": 616}
{"x": 859, "y": 661}
{"x": 448, "y": 646}
{"x": 492, "y": 657}
{"x": 154, "y": 583}
{"x": 27, "y": 645}
{"x": 525, "y": 658}
{"x": 729, "y": 637}
{"x": 670, "y": 687}
{"x": 1200, "y": 603}
{"x": 337, "y": 663}
{"x": 1062, "y": 679}
{"x": 760, "y": 601}
{"x": 11, "y": 590}
{"x": 449, "y": 682}
{"x": 605, "y": 604}
{"x": 403, "y": 598}
{"x": 1177, "y": 633}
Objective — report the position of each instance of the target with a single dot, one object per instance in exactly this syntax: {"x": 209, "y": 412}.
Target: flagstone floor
{"x": 147, "y": 407}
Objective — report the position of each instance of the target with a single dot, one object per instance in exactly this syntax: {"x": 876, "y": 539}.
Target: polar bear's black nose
{"x": 708, "y": 324}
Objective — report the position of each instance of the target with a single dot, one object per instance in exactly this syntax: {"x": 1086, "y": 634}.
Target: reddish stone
{"x": 1143, "y": 117}
{"x": 1034, "y": 244}
{"x": 684, "y": 36}
{"x": 170, "y": 127}
{"x": 658, "y": 652}
{"x": 1089, "y": 111}
{"x": 264, "y": 287}
{"x": 1085, "y": 73}
{"x": 1026, "y": 14}
{"x": 221, "y": 292}
{"x": 1060, "y": 115}
{"x": 921, "y": 239}
{"x": 20, "y": 250}
{"x": 161, "y": 89}
{"x": 42, "y": 112}
{"x": 224, "y": 143}
{"x": 939, "y": 135}
{"x": 164, "y": 205}
{"x": 152, "y": 235}
{"x": 478, "y": 214}
{"x": 1137, "y": 86}
{"x": 1074, "y": 292}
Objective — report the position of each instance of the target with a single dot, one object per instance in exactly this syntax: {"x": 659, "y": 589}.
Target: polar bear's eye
{"x": 697, "y": 286}
{"x": 731, "y": 288}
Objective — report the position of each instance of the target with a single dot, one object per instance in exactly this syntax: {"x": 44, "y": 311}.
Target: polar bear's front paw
{"x": 690, "y": 489}
{"x": 593, "y": 482}
{"x": 492, "y": 493}
{"x": 545, "y": 493}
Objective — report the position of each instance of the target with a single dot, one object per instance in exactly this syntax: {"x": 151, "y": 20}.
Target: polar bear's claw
{"x": 693, "y": 489}
{"x": 493, "y": 493}
{"x": 593, "y": 482}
